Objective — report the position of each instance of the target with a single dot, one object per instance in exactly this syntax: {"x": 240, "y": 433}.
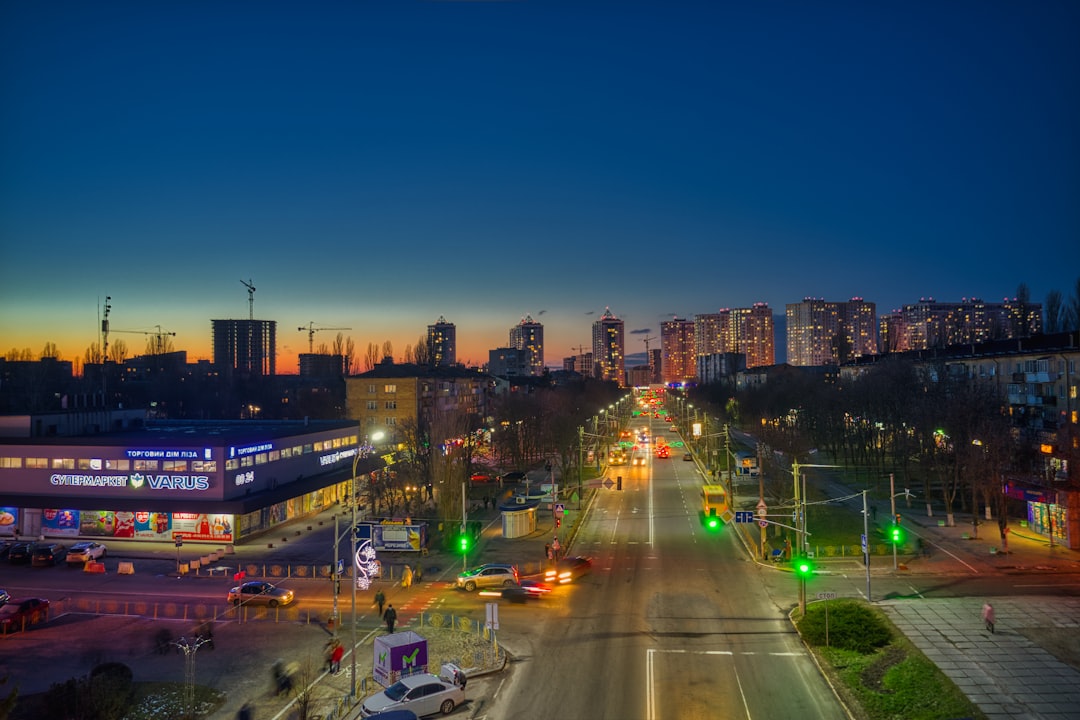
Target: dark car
{"x": 568, "y": 569}
{"x": 18, "y": 614}
{"x": 47, "y": 554}
{"x": 4, "y": 597}
{"x": 21, "y": 553}
{"x": 514, "y": 477}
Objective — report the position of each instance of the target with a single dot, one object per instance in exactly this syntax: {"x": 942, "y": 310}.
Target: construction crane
{"x": 159, "y": 337}
{"x": 311, "y": 330}
{"x": 251, "y": 299}
{"x": 647, "y": 339}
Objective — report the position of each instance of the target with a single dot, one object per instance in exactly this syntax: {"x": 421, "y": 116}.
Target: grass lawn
{"x": 152, "y": 701}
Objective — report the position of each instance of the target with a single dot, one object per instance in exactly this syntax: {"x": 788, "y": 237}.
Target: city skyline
{"x": 379, "y": 166}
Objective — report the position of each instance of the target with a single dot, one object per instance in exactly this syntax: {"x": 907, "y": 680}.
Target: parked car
{"x": 21, "y": 553}
{"x": 19, "y": 614}
{"x": 568, "y": 569}
{"x": 489, "y": 575}
{"x": 423, "y": 693}
{"x": 514, "y": 476}
{"x": 258, "y": 592}
{"x": 688, "y": 457}
{"x": 480, "y": 478}
{"x": 83, "y": 552}
{"x": 4, "y": 597}
{"x": 48, "y": 554}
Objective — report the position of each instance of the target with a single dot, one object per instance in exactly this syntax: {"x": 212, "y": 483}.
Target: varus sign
{"x": 135, "y": 481}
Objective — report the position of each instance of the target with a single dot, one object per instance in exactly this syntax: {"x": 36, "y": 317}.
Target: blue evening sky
{"x": 378, "y": 164}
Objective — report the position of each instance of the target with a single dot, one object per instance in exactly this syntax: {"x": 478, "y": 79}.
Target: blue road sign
{"x": 744, "y": 516}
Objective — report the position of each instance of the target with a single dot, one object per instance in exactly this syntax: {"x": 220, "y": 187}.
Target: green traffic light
{"x": 896, "y": 535}
{"x": 463, "y": 543}
{"x": 712, "y": 523}
{"x": 803, "y": 568}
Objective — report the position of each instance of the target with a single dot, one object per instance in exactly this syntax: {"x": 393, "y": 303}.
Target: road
{"x": 672, "y": 623}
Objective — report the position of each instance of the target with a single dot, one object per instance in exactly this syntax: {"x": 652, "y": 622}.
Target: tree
{"x": 118, "y": 352}
{"x": 1055, "y": 312}
{"x": 422, "y": 352}
{"x": 371, "y": 357}
{"x": 1072, "y": 316}
{"x": 50, "y": 351}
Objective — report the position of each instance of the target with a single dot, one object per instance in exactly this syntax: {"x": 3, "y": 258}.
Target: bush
{"x": 852, "y": 625}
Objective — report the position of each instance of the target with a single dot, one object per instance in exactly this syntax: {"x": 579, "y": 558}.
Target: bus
{"x": 714, "y": 505}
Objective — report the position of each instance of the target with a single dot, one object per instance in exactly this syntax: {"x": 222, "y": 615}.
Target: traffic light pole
{"x": 892, "y": 502}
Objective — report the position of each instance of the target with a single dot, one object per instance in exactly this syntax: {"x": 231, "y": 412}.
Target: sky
{"x": 376, "y": 165}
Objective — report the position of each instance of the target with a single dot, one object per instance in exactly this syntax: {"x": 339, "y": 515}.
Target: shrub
{"x": 852, "y": 625}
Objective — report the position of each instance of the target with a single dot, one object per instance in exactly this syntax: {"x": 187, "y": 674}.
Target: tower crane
{"x": 647, "y": 338}
{"x": 251, "y": 299}
{"x": 159, "y": 337}
{"x": 311, "y": 330}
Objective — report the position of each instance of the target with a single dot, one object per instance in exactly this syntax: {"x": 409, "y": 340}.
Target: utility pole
{"x": 761, "y": 498}
{"x": 866, "y": 543}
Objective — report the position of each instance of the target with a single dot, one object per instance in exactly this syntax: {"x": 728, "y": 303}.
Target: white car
{"x": 83, "y": 552}
{"x": 424, "y": 694}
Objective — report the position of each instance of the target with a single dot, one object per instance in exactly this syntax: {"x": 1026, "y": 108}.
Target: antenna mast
{"x": 251, "y": 298}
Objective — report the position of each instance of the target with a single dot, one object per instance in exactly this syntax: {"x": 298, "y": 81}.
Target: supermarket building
{"x": 214, "y": 481}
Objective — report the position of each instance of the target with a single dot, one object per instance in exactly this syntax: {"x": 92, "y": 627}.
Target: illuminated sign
{"x": 245, "y": 477}
{"x": 250, "y": 449}
{"x": 89, "y": 480}
{"x": 367, "y": 565}
{"x": 336, "y": 456}
{"x": 170, "y": 482}
{"x": 149, "y": 454}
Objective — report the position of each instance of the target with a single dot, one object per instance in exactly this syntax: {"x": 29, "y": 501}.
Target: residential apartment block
{"x": 677, "y": 350}
{"x": 820, "y": 332}
{"x": 609, "y": 353}
{"x": 528, "y": 337}
{"x": 442, "y": 343}
{"x": 930, "y": 324}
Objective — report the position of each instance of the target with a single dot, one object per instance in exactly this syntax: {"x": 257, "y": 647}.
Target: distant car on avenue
{"x": 490, "y": 575}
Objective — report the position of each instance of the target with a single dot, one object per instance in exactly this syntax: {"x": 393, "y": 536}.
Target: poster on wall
{"x": 60, "y": 522}
{"x": 9, "y": 520}
{"x": 202, "y": 526}
{"x": 151, "y": 525}
{"x": 97, "y": 523}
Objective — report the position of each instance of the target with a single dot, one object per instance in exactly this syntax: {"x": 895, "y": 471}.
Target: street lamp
{"x": 352, "y": 545}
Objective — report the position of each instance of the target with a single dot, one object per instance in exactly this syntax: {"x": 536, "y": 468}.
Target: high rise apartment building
{"x": 677, "y": 346}
{"x": 820, "y": 332}
{"x": 609, "y": 354}
{"x": 582, "y": 364}
{"x": 930, "y": 324}
{"x": 749, "y": 331}
{"x": 528, "y": 337}
{"x": 245, "y": 347}
{"x": 442, "y": 343}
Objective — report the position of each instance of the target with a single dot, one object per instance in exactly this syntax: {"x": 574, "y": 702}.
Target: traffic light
{"x": 896, "y": 535}
{"x": 712, "y": 523}
{"x": 464, "y": 542}
{"x": 558, "y": 523}
{"x": 803, "y": 567}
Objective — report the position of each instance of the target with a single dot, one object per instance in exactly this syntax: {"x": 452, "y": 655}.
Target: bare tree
{"x": 1055, "y": 312}
{"x": 388, "y": 349}
{"x": 118, "y": 351}
{"x": 92, "y": 354}
{"x": 50, "y": 351}
{"x": 422, "y": 352}
{"x": 371, "y": 357}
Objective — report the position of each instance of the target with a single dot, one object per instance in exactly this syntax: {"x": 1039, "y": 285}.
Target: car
{"x": 423, "y": 693}
{"x": 257, "y": 592}
{"x": 568, "y": 569}
{"x": 21, "y": 553}
{"x": 489, "y": 575}
{"x": 83, "y": 552}
{"x": 688, "y": 457}
{"x": 480, "y": 478}
{"x": 514, "y": 476}
{"x": 17, "y": 615}
{"x": 47, "y": 554}
{"x": 663, "y": 452}
{"x": 5, "y": 548}
{"x": 527, "y": 590}
{"x": 4, "y": 597}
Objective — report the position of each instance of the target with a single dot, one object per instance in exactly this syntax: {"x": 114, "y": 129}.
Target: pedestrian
{"x": 390, "y": 616}
{"x": 247, "y": 712}
{"x": 988, "y": 616}
{"x": 547, "y": 551}
{"x": 380, "y": 600}
{"x": 406, "y": 577}
{"x": 206, "y": 634}
{"x": 419, "y": 573}
{"x": 328, "y": 653}
{"x": 335, "y": 658}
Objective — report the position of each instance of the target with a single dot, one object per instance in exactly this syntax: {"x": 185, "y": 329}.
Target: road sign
{"x": 340, "y": 566}
{"x": 560, "y": 509}
{"x": 763, "y": 523}
{"x": 491, "y": 619}
{"x": 179, "y": 542}
{"x": 744, "y": 516}
{"x": 826, "y": 596}
{"x": 864, "y": 544}
{"x": 608, "y": 484}
{"x": 762, "y": 508}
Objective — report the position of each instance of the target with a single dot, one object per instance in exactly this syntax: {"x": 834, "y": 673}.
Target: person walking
{"x": 380, "y": 600}
{"x": 390, "y": 616}
{"x": 988, "y": 616}
{"x": 335, "y": 658}
{"x": 406, "y": 577}
{"x": 418, "y": 574}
